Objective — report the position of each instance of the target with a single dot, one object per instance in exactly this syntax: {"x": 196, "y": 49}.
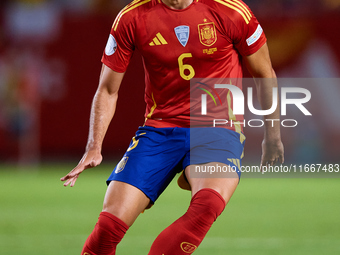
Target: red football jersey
{"x": 205, "y": 40}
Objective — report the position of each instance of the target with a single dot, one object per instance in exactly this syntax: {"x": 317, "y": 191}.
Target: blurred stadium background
{"x": 50, "y": 55}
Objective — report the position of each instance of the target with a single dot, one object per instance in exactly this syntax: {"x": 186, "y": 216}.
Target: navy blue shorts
{"x": 156, "y": 155}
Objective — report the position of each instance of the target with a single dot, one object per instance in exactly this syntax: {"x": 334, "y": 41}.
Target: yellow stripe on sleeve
{"x": 241, "y": 12}
{"x": 120, "y": 13}
{"x": 244, "y": 7}
{"x": 128, "y": 8}
{"x": 241, "y": 6}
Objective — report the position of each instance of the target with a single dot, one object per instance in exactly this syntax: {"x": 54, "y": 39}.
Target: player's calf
{"x": 186, "y": 233}
{"x": 107, "y": 233}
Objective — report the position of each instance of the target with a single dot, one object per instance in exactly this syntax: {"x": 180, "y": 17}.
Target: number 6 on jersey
{"x": 183, "y": 67}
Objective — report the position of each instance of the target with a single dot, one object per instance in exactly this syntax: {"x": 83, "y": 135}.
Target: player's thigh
{"x": 124, "y": 201}
{"x": 225, "y": 185}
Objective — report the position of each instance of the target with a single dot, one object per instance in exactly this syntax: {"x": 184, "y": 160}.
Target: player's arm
{"x": 259, "y": 66}
{"x": 102, "y": 110}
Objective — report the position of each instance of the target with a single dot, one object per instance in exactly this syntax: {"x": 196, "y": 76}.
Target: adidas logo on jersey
{"x": 158, "y": 40}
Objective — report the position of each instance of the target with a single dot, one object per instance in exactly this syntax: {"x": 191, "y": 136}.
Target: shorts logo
{"x": 207, "y": 33}
{"x": 182, "y": 33}
{"x": 188, "y": 247}
{"x": 111, "y": 46}
{"x": 121, "y": 165}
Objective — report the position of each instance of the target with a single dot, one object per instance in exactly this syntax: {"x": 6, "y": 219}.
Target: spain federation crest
{"x": 207, "y": 33}
{"x": 121, "y": 165}
{"x": 182, "y": 33}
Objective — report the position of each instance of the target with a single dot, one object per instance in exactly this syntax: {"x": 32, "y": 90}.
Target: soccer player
{"x": 179, "y": 40}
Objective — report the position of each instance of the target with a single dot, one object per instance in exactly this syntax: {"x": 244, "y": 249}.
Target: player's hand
{"x": 90, "y": 159}
{"x": 272, "y": 151}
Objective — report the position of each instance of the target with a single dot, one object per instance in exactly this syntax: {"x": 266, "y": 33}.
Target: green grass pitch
{"x": 38, "y": 216}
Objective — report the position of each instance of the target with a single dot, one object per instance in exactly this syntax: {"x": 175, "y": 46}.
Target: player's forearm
{"x": 103, "y": 107}
{"x": 265, "y": 88}
{"x": 102, "y": 111}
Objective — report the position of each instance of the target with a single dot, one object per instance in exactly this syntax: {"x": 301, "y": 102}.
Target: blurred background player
{"x": 201, "y": 38}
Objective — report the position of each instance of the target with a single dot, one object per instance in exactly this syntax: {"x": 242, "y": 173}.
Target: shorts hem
{"x": 145, "y": 193}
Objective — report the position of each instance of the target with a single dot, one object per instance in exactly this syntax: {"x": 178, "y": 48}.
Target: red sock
{"x": 185, "y": 234}
{"x": 107, "y": 233}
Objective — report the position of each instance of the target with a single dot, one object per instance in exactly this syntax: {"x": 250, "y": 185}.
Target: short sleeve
{"x": 248, "y": 35}
{"x": 120, "y": 45}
